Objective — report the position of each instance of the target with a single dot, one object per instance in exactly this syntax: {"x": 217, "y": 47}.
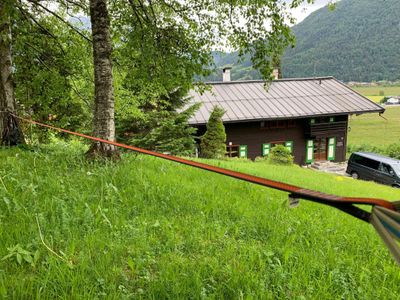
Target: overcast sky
{"x": 305, "y": 9}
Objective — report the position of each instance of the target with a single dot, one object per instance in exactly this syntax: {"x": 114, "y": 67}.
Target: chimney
{"x": 275, "y": 74}
{"x": 226, "y": 74}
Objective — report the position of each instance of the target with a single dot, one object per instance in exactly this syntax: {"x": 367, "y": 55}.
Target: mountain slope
{"x": 358, "y": 41}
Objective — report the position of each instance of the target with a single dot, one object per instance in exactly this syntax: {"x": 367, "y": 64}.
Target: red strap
{"x": 298, "y": 191}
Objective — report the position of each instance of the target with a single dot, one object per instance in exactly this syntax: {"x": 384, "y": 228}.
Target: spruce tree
{"x": 213, "y": 141}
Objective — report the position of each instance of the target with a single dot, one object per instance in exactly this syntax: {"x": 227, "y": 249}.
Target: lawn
{"x": 147, "y": 228}
{"x": 374, "y": 130}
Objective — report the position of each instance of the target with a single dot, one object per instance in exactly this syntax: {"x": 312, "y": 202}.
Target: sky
{"x": 305, "y": 9}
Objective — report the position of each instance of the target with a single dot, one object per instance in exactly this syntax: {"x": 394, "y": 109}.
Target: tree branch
{"x": 61, "y": 19}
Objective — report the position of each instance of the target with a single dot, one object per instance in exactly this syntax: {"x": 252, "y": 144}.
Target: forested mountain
{"x": 358, "y": 41}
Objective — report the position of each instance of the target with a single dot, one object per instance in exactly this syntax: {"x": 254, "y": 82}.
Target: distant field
{"x": 374, "y": 130}
{"x": 375, "y": 90}
{"x": 376, "y": 99}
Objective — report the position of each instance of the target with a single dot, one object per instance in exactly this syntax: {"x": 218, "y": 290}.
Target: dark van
{"x": 375, "y": 167}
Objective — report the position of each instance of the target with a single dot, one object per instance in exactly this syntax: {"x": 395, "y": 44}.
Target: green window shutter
{"x": 331, "y": 148}
{"x": 289, "y": 146}
{"x": 309, "y": 151}
{"x": 243, "y": 151}
{"x": 266, "y": 148}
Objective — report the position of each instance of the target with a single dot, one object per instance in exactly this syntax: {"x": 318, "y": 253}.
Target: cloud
{"x": 301, "y": 12}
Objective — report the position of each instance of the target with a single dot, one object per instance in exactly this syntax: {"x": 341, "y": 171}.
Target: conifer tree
{"x": 213, "y": 141}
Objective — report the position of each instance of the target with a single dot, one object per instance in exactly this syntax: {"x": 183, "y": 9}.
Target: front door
{"x": 320, "y": 147}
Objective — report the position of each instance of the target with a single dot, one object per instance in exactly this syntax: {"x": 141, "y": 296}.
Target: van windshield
{"x": 396, "y": 168}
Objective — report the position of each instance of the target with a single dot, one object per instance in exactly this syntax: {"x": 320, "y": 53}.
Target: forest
{"x": 356, "y": 41}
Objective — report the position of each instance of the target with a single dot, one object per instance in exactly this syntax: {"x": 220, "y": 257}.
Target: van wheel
{"x": 355, "y": 175}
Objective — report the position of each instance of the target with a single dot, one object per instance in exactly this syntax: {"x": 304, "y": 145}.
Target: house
{"x": 307, "y": 115}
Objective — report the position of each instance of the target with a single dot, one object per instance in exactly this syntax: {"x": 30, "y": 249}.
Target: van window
{"x": 367, "y": 162}
{"x": 396, "y": 168}
{"x": 386, "y": 169}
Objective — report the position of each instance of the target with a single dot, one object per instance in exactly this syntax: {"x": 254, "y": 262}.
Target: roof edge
{"x": 264, "y": 81}
{"x": 294, "y": 117}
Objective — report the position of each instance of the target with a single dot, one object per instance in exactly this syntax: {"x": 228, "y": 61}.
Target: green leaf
{"x": 28, "y": 258}
{"x": 19, "y": 258}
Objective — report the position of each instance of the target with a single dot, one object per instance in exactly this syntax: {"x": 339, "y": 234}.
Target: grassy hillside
{"x": 374, "y": 130}
{"x": 147, "y": 228}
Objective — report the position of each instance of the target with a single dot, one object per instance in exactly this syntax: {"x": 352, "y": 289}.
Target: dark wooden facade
{"x": 320, "y": 130}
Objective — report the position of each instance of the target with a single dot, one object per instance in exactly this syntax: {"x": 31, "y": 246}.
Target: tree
{"x": 104, "y": 124}
{"x": 162, "y": 45}
{"x": 53, "y": 74}
{"x": 168, "y": 131}
{"x": 10, "y": 130}
{"x": 213, "y": 141}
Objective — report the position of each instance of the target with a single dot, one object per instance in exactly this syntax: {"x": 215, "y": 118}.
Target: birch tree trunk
{"x": 10, "y": 131}
{"x": 103, "y": 121}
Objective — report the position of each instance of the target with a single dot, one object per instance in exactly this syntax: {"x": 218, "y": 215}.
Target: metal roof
{"x": 283, "y": 99}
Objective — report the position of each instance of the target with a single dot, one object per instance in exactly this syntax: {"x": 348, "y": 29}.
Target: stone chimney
{"x": 226, "y": 74}
{"x": 275, "y": 74}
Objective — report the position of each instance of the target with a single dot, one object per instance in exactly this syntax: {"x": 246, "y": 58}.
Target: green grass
{"x": 374, "y": 130}
{"x": 147, "y": 228}
{"x": 375, "y": 90}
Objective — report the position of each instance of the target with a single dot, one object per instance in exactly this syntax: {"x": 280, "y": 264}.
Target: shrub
{"x": 364, "y": 148}
{"x": 280, "y": 155}
{"x": 213, "y": 141}
{"x": 393, "y": 150}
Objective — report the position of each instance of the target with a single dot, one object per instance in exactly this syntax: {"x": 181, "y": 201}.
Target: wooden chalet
{"x": 308, "y": 115}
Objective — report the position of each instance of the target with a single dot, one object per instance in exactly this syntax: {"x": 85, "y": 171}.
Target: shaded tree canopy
{"x": 158, "y": 47}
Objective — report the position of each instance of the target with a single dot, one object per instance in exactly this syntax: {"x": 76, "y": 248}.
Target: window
{"x": 232, "y": 150}
{"x": 289, "y": 146}
{"x": 309, "y": 151}
{"x": 396, "y": 168}
{"x": 277, "y": 124}
{"x": 331, "y": 148}
{"x": 386, "y": 169}
{"x": 243, "y": 151}
{"x": 367, "y": 162}
{"x": 266, "y": 149}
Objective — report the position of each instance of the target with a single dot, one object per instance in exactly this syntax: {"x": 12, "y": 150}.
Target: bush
{"x": 280, "y": 155}
{"x": 213, "y": 141}
{"x": 393, "y": 150}
{"x": 364, "y": 148}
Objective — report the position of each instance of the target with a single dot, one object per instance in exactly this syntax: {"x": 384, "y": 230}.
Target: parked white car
{"x": 391, "y": 101}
